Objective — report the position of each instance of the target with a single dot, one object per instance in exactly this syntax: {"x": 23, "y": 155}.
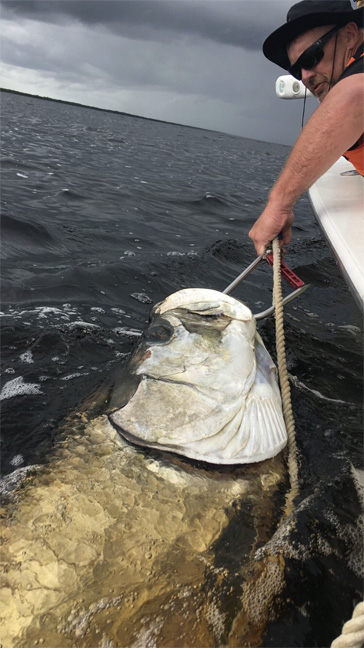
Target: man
{"x": 322, "y": 42}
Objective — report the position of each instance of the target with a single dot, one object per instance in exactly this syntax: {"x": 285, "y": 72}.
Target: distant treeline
{"x": 73, "y": 103}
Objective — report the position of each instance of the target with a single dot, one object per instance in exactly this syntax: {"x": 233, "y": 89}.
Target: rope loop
{"x": 352, "y": 635}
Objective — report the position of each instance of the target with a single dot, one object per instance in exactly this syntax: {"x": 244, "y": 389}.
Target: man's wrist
{"x": 281, "y": 199}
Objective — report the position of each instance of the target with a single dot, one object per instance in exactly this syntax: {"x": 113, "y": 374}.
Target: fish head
{"x": 194, "y": 338}
{"x": 197, "y": 367}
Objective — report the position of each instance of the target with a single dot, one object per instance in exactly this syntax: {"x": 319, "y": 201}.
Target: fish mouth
{"x": 172, "y": 454}
{"x": 135, "y": 441}
{"x": 141, "y": 445}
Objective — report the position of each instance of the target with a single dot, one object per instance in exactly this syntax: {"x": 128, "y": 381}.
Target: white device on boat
{"x": 287, "y": 87}
{"x": 337, "y": 199}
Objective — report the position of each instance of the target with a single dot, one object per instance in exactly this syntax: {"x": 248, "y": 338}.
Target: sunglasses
{"x": 312, "y": 55}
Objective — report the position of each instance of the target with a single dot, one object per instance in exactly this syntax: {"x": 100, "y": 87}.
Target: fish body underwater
{"x": 111, "y": 543}
{"x": 106, "y": 543}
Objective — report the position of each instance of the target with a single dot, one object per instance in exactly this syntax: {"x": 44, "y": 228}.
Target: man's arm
{"x": 333, "y": 128}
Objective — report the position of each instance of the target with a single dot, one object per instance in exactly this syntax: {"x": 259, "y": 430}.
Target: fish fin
{"x": 262, "y": 431}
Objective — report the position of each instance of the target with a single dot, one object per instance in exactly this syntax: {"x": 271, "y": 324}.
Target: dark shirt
{"x": 356, "y": 67}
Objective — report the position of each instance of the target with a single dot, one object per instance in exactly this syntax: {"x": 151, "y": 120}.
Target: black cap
{"x": 306, "y": 15}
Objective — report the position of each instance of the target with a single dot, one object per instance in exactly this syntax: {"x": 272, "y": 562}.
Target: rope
{"x": 352, "y": 635}
{"x": 283, "y": 379}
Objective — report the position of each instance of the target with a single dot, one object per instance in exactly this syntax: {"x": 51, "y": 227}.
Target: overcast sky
{"x": 186, "y": 61}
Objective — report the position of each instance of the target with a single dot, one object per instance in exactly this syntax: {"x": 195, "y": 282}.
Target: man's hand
{"x": 270, "y": 223}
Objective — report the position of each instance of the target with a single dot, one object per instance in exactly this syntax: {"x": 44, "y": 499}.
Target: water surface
{"x": 104, "y": 215}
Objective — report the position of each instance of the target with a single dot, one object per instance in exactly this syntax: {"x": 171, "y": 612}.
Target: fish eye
{"x": 158, "y": 333}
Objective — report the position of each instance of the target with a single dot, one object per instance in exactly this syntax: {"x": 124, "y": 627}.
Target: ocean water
{"x": 103, "y": 215}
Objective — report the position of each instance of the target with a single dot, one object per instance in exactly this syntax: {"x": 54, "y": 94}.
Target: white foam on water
{"x": 69, "y": 317}
{"x": 74, "y": 375}
{"x": 147, "y": 637}
{"x": 17, "y": 387}
{"x": 358, "y": 475}
{"x": 17, "y": 460}
{"x": 42, "y": 312}
{"x": 83, "y": 325}
{"x": 301, "y": 385}
{"x": 120, "y": 330}
{"x": 11, "y": 481}
{"x": 142, "y": 297}
{"x": 216, "y": 619}
{"x": 27, "y": 357}
{"x": 350, "y": 328}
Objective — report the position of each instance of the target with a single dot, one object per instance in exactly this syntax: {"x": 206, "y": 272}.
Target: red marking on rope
{"x": 286, "y": 272}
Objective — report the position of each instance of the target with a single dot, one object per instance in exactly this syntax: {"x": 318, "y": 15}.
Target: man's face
{"x": 317, "y": 80}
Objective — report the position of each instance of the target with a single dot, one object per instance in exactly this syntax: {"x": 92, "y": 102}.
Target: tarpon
{"x": 108, "y": 545}
{"x": 112, "y": 545}
{"x": 207, "y": 384}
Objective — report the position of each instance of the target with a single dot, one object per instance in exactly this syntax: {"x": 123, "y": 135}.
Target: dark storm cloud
{"x": 242, "y": 24}
{"x": 193, "y": 62}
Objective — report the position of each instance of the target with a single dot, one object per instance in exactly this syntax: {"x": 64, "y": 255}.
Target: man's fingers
{"x": 267, "y": 227}
{"x": 261, "y": 247}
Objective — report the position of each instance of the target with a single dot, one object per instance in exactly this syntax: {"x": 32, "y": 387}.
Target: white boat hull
{"x": 337, "y": 199}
